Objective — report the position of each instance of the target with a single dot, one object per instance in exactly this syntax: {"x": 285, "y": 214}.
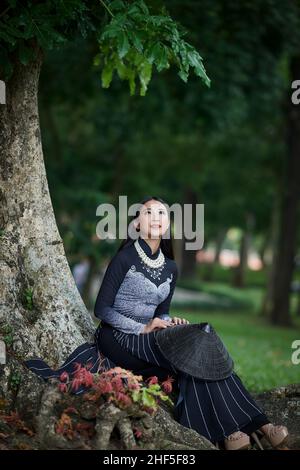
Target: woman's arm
{"x": 113, "y": 277}
{"x": 162, "y": 310}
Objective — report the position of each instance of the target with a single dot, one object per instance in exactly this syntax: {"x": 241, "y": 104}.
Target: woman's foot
{"x": 275, "y": 435}
{"x": 237, "y": 441}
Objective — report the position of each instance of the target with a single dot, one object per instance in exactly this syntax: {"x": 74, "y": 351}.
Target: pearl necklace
{"x": 153, "y": 267}
{"x": 152, "y": 263}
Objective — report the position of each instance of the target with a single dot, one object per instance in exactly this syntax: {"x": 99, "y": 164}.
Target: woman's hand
{"x": 156, "y": 324}
{"x": 179, "y": 321}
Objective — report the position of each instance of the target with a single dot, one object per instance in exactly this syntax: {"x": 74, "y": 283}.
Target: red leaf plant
{"x": 166, "y": 385}
{"x": 116, "y": 385}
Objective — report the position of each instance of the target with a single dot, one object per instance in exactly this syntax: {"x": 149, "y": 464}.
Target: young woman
{"x": 133, "y": 303}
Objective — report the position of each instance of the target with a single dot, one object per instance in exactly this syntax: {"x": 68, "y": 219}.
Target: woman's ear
{"x": 136, "y": 226}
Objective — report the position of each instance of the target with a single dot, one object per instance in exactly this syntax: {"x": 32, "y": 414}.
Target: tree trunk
{"x": 188, "y": 263}
{"x": 240, "y": 271}
{"x": 280, "y": 313}
{"x": 219, "y": 243}
{"x": 267, "y": 301}
{"x": 210, "y": 267}
{"x": 39, "y": 300}
{"x": 262, "y": 252}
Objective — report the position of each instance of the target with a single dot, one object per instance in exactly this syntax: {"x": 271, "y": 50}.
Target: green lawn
{"x": 262, "y": 353}
{"x": 225, "y": 274}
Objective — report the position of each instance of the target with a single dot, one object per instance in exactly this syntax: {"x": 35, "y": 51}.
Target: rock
{"x": 175, "y": 436}
{"x": 282, "y": 406}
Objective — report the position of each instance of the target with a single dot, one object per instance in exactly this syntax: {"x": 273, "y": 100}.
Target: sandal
{"x": 237, "y": 441}
{"x": 275, "y": 435}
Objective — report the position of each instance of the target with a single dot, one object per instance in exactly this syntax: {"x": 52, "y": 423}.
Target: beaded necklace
{"x": 153, "y": 266}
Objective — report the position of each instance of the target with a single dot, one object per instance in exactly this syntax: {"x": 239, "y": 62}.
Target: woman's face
{"x": 153, "y": 219}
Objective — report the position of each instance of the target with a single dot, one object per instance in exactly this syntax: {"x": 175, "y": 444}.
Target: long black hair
{"x": 166, "y": 244}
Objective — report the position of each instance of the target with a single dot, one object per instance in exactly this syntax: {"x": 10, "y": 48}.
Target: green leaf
{"x": 183, "y": 75}
{"x": 152, "y": 54}
{"x": 135, "y": 395}
{"x": 194, "y": 58}
{"x": 117, "y": 5}
{"x": 136, "y": 41}
{"x": 162, "y": 60}
{"x": 97, "y": 60}
{"x": 164, "y": 397}
{"x": 200, "y": 72}
{"x": 131, "y": 79}
{"x": 123, "y": 44}
{"x": 148, "y": 399}
{"x": 122, "y": 70}
{"x": 154, "y": 387}
{"x": 106, "y": 75}
{"x": 143, "y": 7}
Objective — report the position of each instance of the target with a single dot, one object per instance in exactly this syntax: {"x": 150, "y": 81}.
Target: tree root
{"x": 110, "y": 417}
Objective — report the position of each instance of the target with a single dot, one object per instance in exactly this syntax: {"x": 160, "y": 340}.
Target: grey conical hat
{"x": 195, "y": 349}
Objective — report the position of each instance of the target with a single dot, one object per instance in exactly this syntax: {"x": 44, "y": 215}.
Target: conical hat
{"x": 195, "y": 349}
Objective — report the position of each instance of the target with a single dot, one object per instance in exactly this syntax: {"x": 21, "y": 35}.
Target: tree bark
{"x": 267, "y": 301}
{"x": 240, "y": 271}
{"x": 280, "y": 313}
{"x": 210, "y": 267}
{"x": 39, "y": 300}
{"x": 188, "y": 263}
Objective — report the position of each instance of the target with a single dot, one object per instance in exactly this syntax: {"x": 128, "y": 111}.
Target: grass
{"x": 262, "y": 353}
{"x": 225, "y": 297}
{"x": 225, "y": 274}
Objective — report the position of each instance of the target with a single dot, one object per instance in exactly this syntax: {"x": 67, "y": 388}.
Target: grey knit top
{"x": 131, "y": 293}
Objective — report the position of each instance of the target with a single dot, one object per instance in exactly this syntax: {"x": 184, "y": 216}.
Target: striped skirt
{"x": 215, "y": 409}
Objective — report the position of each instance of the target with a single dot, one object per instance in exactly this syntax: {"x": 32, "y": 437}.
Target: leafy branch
{"x": 135, "y": 41}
